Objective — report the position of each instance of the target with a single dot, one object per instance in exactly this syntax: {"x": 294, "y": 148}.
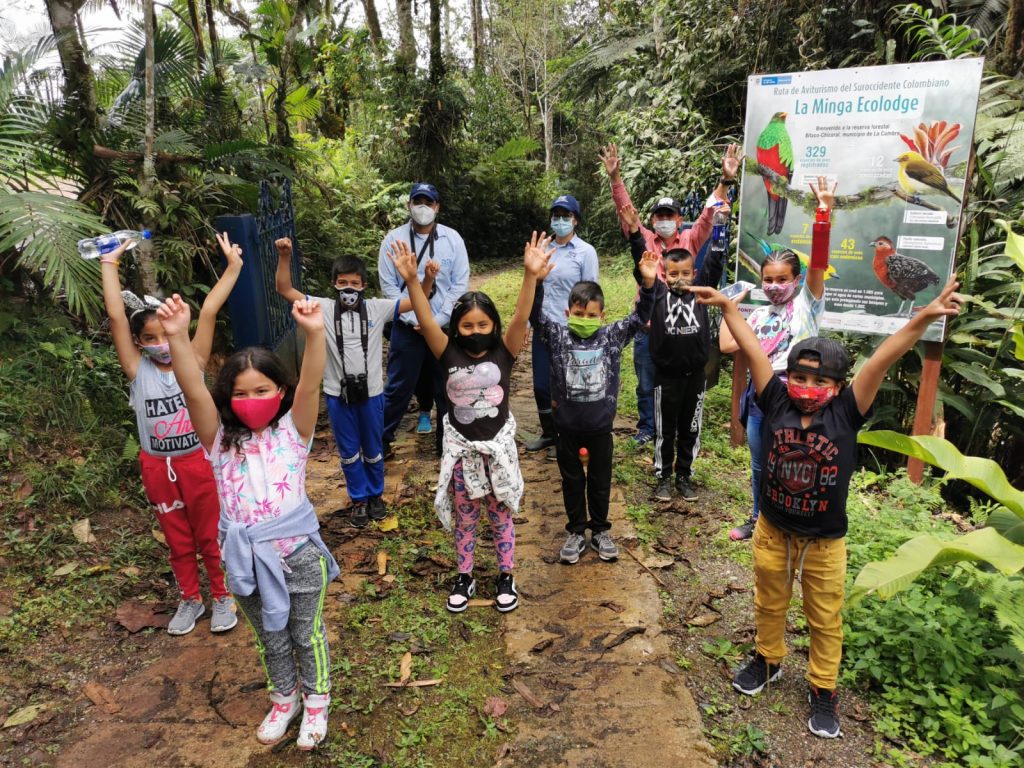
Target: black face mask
{"x": 475, "y": 343}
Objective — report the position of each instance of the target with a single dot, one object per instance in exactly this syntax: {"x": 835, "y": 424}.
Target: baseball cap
{"x": 569, "y": 203}
{"x": 667, "y": 203}
{"x": 833, "y": 360}
{"x": 424, "y": 190}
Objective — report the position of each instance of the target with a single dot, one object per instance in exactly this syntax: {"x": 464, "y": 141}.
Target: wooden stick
{"x": 653, "y": 574}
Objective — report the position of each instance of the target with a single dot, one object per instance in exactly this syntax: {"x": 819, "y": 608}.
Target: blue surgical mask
{"x": 561, "y": 226}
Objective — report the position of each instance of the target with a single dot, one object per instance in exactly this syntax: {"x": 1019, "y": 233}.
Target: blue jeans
{"x": 359, "y": 433}
{"x": 644, "y": 367}
{"x": 407, "y": 354}
{"x": 541, "y": 359}
{"x": 755, "y": 440}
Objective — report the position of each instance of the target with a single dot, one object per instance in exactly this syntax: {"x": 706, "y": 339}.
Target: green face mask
{"x": 584, "y": 327}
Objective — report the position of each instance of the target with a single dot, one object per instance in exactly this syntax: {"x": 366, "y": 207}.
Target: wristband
{"x": 115, "y": 262}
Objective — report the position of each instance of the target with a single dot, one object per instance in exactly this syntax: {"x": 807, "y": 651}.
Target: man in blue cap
{"x": 408, "y": 351}
{"x": 574, "y": 260}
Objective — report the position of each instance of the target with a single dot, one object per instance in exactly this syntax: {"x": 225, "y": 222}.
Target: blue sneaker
{"x": 642, "y": 438}
{"x": 423, "y": 426}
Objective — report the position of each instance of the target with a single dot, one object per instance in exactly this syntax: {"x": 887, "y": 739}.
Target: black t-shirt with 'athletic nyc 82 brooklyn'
{"x": 806, "y": 474}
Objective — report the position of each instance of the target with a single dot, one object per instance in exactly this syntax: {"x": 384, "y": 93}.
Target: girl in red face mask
{"x": 257, "y": 427}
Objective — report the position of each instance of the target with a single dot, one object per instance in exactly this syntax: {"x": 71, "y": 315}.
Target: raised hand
{"x": 826, "y": 197}
{"x": 628, "y": 215}
{"x": 307, "y": 315}
{"x": 731, "y": 161}
{"x": 705, "y": 294}
{"x": 946, "y": 304}
{"x": 610, "y": 157}
{"x": 431, "y": 269}
{"x": 284, "y": 246}
{"x": 404, "y": 260}
{"x": 537, "y": 255}
{"x": 174, "y": 316}
{"x": 648, "y": 267}
{"x": 233, "y": 251}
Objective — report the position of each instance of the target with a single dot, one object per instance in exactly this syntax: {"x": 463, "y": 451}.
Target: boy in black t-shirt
{"x": 810, "y": 434}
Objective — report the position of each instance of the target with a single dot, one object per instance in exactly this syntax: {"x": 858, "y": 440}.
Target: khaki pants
{"x": 822, "y": 566}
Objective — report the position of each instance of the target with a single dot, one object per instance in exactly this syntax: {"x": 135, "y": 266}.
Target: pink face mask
{"x": 810, "y": 399}
{"x": 779, "y": 293}
{"x": 256, "y": 412}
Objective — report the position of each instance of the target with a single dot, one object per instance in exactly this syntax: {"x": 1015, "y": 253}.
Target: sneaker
{"x": 313, "y": 727}
{"x": 507, "y": 596}
{"x": 642, "y": 438}
{"x": 743, "y": 532}
{"x": 824, "y": 721}
{"x": 284, "y": 708}
{"x": 685, "y": 489}
{"x": 462, "y": 590}
{"x": 756, "y": 675}
{"x": 423, "y": 426}
{"x": 602, "y": 543}
{"x": 224, "y": 616}
{"x": 574, "y": 546}
{"x": 542, "y": 442}
{"x": 552, "y": 454}
{"x": 184, "y": 620}
{"x": 357, "y": 515}
{"x": 375, "y": 508}
{"x": 388, "y": 451}
{"x": 663, "y": 491}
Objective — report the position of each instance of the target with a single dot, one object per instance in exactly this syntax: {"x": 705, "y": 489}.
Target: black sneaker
{"x": 357, "y": 515}
{"x": 375, "y": 507}
{"x": 756, "y": 675}
{"x": 507, "y": 596}
{"x": 743, "y": 532}
{"x": 685, "y": 489}
{"x": 462, "y": 590}
{"x": 663, "y": 491}
{"x": 824, "y": 720}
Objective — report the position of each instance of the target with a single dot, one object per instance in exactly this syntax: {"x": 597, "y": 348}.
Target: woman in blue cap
{"x": 574, "y": 260}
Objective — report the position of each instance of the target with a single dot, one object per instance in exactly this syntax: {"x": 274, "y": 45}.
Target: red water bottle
{"x": 819, "y": 239}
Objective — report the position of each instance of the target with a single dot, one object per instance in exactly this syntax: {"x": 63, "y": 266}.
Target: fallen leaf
{"x": 102, "y": 697}
{"x": 382, "y": 563}
{"x": 495, "y": 706}
{"x": 389, "y": 579}
{"x": 658, "y": 561}
{"x": 83, "y": 531}
{"x": 704, "y": 619}
{"x": 159, "y": 536}
{"x": 24, "y": 491}
{"x": 25, "y": 715}
{"x": 415, "y": 683}
{"x": 102, "y": 567}
{"x": 622, "y": 637}
{"x": 735, "y": 586}
{"x": 527, "y": 694}
{"x": 502, "y": 751}
{"x": 398, "y": 637}
{"x": 389, "y": 523}
{"x": 131, "y": 570}
{"x": 669, "y": 666}
{"x": 348, "y": 729}
{"x": 543, "y": 645}
{"x": 133, "y": 616}
{"x": 405, "y": 667}
{"x": 612, "y": 606}
{"x": 65, "y": 569}
{"x": 554, "y": 707}
{"x": 411, "y": 710}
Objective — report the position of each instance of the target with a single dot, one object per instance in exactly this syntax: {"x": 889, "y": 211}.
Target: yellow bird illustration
{"x": 919, "y": 177}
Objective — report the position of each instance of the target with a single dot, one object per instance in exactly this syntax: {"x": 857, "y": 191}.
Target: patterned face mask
{"x": 161, "y": 353}
{"x": 779, "y": 293}
{"x": 810, "y": 399}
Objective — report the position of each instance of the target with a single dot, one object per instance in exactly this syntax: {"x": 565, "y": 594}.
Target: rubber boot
{"x": 548, "y": 433}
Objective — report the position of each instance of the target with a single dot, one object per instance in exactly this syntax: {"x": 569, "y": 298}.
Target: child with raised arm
{"x": 586, "y": 360}
{"x": 354, "y": 378}
{"x": 811, "y": 425}
{"x": 175, "y": 474}
{"x": 479, "y": 458}
{"x": 256, "y": 428}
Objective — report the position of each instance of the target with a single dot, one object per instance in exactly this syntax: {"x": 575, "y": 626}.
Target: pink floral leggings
{"x": 467, "y": 516}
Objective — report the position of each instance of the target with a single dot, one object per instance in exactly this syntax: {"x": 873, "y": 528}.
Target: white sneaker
{"x": 184, "y": 620}
{"x": 313, "y": 728}
{"x": 275, "y": 724}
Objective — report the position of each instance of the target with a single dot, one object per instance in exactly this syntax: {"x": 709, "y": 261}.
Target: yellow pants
{"x": 822, "y": 566}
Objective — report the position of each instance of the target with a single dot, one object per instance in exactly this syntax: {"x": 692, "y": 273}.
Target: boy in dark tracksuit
{"x": 680, "y": 342}
{"x": 585, "y": 366}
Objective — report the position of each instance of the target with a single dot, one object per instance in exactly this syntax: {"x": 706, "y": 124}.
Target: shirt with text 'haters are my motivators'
{"x": 165, "y": 428}
{"x": 806, "y": 473}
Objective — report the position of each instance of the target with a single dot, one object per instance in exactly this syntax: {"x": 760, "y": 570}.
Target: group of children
{"x": 225, "y": 467}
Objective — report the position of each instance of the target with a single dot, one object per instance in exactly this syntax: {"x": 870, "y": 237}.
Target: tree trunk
{"x": 79, "y": 85}
{"x": 373, "y": 24}
{"x": 1011, "y": 59}
{"x": 287, "y": 57}
{"x": 197, "y": 35}
{"x": 147, "y": 184}
{"x": 436, "y": 54}
{"x": 211, "y": 27}
{"x": 406, "y": 58}
{"x": 477, "y": 27}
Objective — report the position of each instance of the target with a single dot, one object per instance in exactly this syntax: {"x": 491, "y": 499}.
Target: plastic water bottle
{"x": 584, "y": 458}
{"x": 94, "y": 247}
{"x": 719, "y": 230}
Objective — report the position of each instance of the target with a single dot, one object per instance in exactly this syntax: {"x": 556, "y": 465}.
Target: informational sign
{"x": 897, "y": 140}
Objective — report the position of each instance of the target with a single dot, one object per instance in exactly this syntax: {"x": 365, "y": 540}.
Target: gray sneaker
{"x": 184, "y": 620}
{"x": 223, "y": 617}
{"x": 603, "y": 544}
{"x": 573, "y": 548}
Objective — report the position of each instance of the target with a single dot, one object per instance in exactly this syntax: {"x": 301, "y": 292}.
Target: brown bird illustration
{"x": 903, "y": 275}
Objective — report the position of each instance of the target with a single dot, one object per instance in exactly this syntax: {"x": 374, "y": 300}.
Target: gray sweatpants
{"x": 305, "y": 637}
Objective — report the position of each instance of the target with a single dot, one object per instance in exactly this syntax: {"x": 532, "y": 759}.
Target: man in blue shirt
{"x": 408, "y": 351}
{"x": 574, "y": 260}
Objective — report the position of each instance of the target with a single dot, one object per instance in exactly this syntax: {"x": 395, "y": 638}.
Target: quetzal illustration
{"x": 805, "y": 260}
{"x": 775, "y": 152}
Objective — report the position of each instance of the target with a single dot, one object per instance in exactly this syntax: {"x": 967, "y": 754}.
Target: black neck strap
{"x": 364, "y": 335}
